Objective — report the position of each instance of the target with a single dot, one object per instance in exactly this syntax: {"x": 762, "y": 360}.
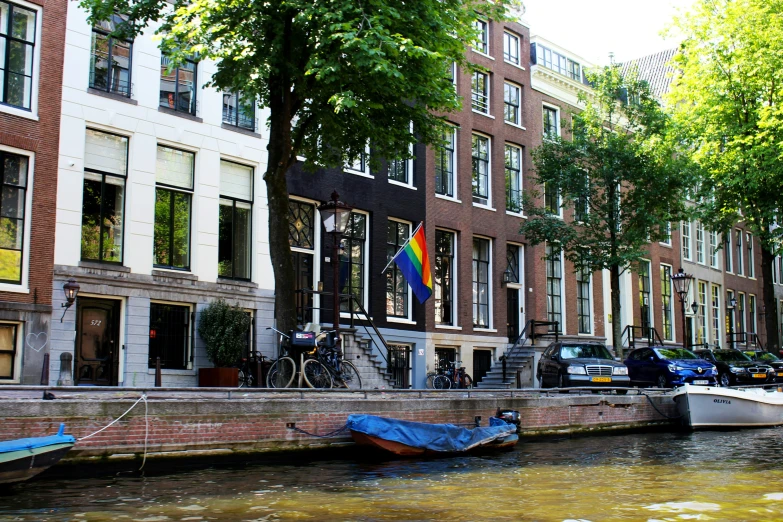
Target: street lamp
{"x": 71, "y": 290}
{"x": 730, "y": 306}
{"x": 335, "y": 215}
{"x": 682, "y": 283}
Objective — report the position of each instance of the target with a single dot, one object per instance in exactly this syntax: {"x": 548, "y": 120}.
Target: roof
{"x": 654, "y": 70}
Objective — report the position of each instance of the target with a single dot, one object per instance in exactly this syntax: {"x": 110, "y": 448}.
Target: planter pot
{"x": 218, "y": 377}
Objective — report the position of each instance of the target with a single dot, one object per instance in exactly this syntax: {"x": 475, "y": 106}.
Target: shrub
{"x": 224, "y": 330}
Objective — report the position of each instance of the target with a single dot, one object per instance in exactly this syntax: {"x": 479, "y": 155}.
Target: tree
{"x": 334, "y": 74}
{"x": 620, "y": 176}
{"x": 726, "y": 101}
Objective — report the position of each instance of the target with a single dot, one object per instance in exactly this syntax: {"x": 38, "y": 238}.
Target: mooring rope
{"x": 659, "y": 411}
{"x": 325, "y": 435}
{"x": 146, "y": 426}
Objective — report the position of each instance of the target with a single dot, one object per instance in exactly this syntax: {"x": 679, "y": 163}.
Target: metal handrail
{"x": 735, "y": 338}
{"x": 653, "y": 338}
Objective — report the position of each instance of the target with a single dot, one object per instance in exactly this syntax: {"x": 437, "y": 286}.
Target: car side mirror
{"x": 652, "y": 358}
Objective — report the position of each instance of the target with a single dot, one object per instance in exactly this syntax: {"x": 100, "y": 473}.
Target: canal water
{"x": 731, "y": 476}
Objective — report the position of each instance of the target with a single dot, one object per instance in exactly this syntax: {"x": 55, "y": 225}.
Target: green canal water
{"x": 731, "y": 476}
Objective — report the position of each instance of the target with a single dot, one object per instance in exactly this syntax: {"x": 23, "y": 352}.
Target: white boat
{"x": 714, "y": 407}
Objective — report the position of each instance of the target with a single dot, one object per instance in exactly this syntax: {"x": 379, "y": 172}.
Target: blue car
{"x": 666, "y": 367}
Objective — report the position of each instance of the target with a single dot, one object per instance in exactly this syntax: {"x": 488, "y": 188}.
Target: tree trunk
{"x": 770, "y": 302}
{"x": 617, "y": 333}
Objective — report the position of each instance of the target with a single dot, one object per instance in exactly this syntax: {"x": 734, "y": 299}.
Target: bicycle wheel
{"x": 281, "y": 374}
{"x": 430, "y": 378}
{"x": 245, "y": 378}
{"x": 441, "y": 382}
{"x": 467, "y": 381}
{"x": 348, "y": 377}
{"x": 316, "y": 375}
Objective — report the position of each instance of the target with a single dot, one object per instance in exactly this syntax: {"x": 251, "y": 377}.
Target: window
{"x": 401, "y": 170}
{"x": 752, "y": 316}
{"x": 170, "y": 330}
{"x": 739, "y": 252}
{"x": 103, "y": 200}
{"x": 582, "y": 201}
{"x": 727, "y": 250}
{"x": 513, "y": 178}
{"x": 480, "y": 92}
{"x": 17, "y": 49}
{"x": 751, "y": 260}
{"x": 482, "y": 40}
{"x": 701, "y": 334}
{"x": 178, "y": 86}
{"x": 444, "y": 357}
{"x": 713, "y": 249}
{"x": 361, "y": 164}
{"x": 451, "y": 73}
{"x": 666, "y": 301}
{"x": 13, "y": 186}
{"x": 574, "y": 71}
{"x": 9, "y": 354}
{"x": 481, "y": 288}
{"x": 554, "y": 281}
{"x": 353, "y": 259}
{"x": 511, "y": 97}
{"x": 173, "y": 193}
{"x": 667, "y": 234}
{"x": 552, "y": 199}
{"x": 686, "y": 240}
{"x": 715, "y": 314}
{"x": 110, "y": 61}
{"x": 397, "y": 234}
{"x": 644, "y": 296}
{"x": 741, "y": 313}
{"x": 699, "y": 242}
{"x": 512, "y": 263}
{"x": 583, "y": 302}
{"x": 480, "y": 179}
{"x": 235, "y": 221}
{"x": 556, "y": 62}
{"x": 445, "y": 247}
{"x": 239, "y": 110}
{"x": 551, "y": 125}
{"x": 444, "y": 164}
{"x": 511, "y": 48}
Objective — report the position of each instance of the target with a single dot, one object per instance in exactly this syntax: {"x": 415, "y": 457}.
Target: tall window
{"x": 397, "y": 234}
{"x": 170, "y": 330}
{"x": 666, "y": 301}
{"x": 178, "y": 86}
{"x": 513, "y": 179}
{"x": 482, "y": 40}
{"x": 554, "y": 281}
{"x": 481, "y": 289}
{"x": 511, "y": 97}
{"x": 713, "y": 249}
{"x": 103, "y": 196}
{"x": 401, "y": 170}
{"x": 239, "y": 110}
{"x": 551, "y": 126}
{"x": 741, "y": 312}
{"x": 644, "y": 295}
{"x": 17, "y": 47}
{"x": 444, "y": 277}
{"x": 353, "y": 259}
{"x": 552, "y": 199}
{"x": 8, "y": 353}
{"x": 511, "y": 48}
{"x": 701, "y": 334}
{"x": 752, "y": 314}
{"x": 574, "y": 71}
{"x": 583, "y": 301}
{"x": 173, "y": 194}
{"x": 360, "y": 164}
{"x": 480, "y": 179}
{"x": 739, "y": 252}
{"x": 512, "y": 263}
{"x": 751, "y": 260}
{"x": 480, "y": 92}
{"x": 715, "y": 314}
{"x": 727, "y": 250}
{"x": 444, "y": 165}
{"x": 582, "y": 201}
{"x": 699, "y": 242}
{"x": 686, "y": 240}
{"x": 236, "y": 218}
{"x": 13, "y": 186}
{"x": 110, "y": 62}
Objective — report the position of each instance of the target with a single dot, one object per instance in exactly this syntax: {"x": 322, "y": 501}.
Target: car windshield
{"x": 766, "y": 356}
{"x": 730, "y": 355}
{"x": 584, "y": 351}
{"x": 675, "y": 353}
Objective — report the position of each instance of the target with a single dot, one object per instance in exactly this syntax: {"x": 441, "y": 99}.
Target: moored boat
{"x": 715, "y": 407}
{"x": 408, "y": 438}
{"x": 21, "y": 459}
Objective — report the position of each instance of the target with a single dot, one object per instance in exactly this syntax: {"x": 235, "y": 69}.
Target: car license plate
{"x": 701, "y": 382}
{"x": 601, "y": 379}
{"x": 759, "y": 375}
{"x": 780, "y": 374}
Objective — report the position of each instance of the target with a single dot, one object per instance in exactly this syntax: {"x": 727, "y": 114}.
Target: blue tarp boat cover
{"x": 37, "y": 442}
{"x": 434, "y": 437}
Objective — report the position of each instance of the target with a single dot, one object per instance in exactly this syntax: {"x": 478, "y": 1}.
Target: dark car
{"x": 568, "y": 364}
{"x": 734, "y": 367}
{"x": 665, "y": 367}
{"x": 767, "y": 358}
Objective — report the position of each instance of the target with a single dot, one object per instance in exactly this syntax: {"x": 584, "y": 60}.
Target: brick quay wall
{"x": 198, "y": 421}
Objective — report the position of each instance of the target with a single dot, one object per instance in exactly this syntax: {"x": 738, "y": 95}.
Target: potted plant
{"x": 224, "y": 330}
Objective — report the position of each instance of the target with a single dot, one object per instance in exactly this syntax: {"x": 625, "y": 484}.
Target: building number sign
{"x": 95, "y": 322}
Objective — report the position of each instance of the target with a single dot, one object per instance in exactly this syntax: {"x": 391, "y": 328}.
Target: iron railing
{"x": 648, "y": 333}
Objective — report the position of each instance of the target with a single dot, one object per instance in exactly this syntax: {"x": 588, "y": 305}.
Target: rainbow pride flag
{"x": 414, "y": 264}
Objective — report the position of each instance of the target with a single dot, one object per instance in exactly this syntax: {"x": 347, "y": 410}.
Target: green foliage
{"x": 223, "y": 328}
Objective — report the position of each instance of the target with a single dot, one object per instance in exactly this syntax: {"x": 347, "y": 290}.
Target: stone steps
{"x": 371, "y": 369}
{"x": 516, "y": 360}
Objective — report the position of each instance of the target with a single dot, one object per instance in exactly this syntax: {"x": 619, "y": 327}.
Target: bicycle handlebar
{"x": 278, "y": 331}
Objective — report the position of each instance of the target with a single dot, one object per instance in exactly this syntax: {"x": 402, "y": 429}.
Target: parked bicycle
{"x": 246, "y": 375}
{"x": 325, "y": 367}
{"x": 283, "y": 370}
{"x": 449, "y": 375}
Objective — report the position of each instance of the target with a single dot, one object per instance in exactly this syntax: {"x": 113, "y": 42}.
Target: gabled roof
{"x": 654, "y": 70}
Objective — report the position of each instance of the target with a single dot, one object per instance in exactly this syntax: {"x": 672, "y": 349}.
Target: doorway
{"x": 97, "y": 342}
{"x": 512, "y": 314}
{"x": 303, "y": 269}
{"x": 482, "y": 362}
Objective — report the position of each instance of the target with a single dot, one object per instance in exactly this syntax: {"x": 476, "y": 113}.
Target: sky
{"x": 594, "y": 28}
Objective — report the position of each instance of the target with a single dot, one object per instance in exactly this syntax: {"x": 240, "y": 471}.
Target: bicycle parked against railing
{"x": 246, "y": 379}
{"x": 449, "y": 375}
{"x": 283, "y": 370}
{"x": 325, "y": 367}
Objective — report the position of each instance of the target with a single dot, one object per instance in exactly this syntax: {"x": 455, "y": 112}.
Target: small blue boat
{"x": 407, "y": 438}
{"x": 22, "y": 459}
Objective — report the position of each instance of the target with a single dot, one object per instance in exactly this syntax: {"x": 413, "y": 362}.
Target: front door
{"x": 512, "y": 313}
{"x": 303, "y": 268}
{"x": 97, "y": 341}
{"x": 482, "y": 361}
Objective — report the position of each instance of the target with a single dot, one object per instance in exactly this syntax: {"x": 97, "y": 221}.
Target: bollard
{"x": 157, "y": 373}
{"x": 45, "y": 370}
{"x": 503, "y": 360}
{"x": 66, "y": 370}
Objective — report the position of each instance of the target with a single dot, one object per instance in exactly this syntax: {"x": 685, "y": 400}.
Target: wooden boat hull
{"x": 23, "y": 464}
{"x": 403, "y": 450}
{"x": 712, "y": 407}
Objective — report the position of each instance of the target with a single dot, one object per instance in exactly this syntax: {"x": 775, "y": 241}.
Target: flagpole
{"x": 402, "y": 247}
